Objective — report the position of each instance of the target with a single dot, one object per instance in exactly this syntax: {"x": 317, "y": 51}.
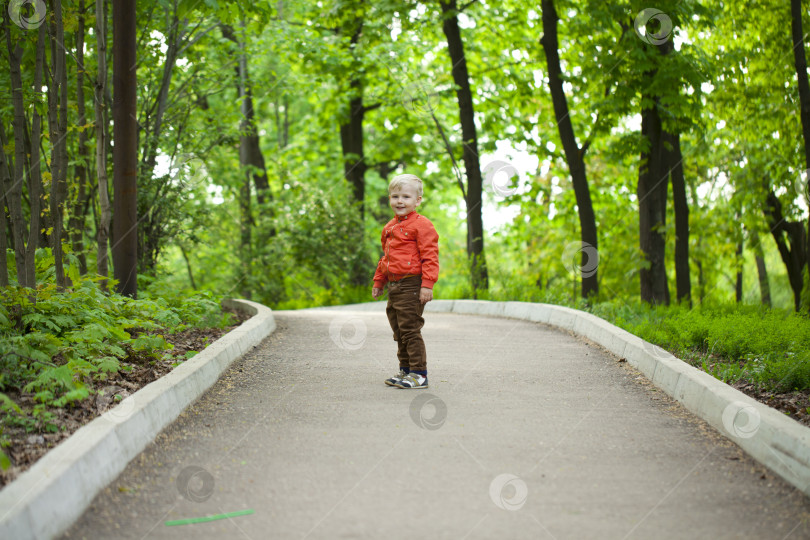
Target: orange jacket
{"x": 410, "y": 246}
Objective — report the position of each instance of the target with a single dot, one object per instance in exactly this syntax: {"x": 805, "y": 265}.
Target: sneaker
{"x": 396, "y": 378}
{"x": 412, "y": 380}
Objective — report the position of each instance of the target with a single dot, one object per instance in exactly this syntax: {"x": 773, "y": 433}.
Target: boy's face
{"x": 404, "y": 199}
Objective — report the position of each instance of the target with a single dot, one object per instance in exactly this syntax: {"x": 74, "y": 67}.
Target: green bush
{"x": 55, "y": 344}
{"x": 768, "y": 347}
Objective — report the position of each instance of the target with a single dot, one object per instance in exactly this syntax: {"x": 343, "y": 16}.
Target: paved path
{"x": 525, "y": 432}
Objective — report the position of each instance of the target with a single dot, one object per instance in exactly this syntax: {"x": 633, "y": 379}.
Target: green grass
{"x": 768, "y": 347}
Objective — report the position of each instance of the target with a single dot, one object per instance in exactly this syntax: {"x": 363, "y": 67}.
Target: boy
{"x": 410, "y": 266}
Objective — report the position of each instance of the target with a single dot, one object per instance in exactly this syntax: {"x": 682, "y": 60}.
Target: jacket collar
{"x": 412, "y": 215}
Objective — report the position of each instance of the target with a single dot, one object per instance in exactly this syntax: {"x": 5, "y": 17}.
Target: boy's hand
{"x": 425, "y": 295}
{"x": 376, "y": 292}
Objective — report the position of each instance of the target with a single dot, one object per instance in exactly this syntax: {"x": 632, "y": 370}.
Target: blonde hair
{"x": 398, "y": 181}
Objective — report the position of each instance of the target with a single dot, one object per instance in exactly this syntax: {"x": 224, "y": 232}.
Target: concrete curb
{"x": 772, "y": 438}
{"x": 46, "y": 499}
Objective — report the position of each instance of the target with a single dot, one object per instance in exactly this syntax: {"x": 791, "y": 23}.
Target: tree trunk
{"x": 351, "y": 140}
{"x": 251, "y": 157}
{"x": 254, "y": 158}
{"x": 251, "y": 161}
{"x": 286, "y": 139}
{"x": 188, "y": 267}
{"x": 35, "y": 168}
{"x": 5, "y": 181}
{"x": 475, "y": 222}
{"x": 354, "y": 164}
{"x": 79, "y": 206}
{"x": 15, "y": 184}
{"x": 151, "y": 228}
{"x": 652, "y": 204}
{"x": 790, "y": 238}
{"x": 762, "y": 270}
{"x": 354, "y": 169}
{"x": 125, "y": 151}
{"x": 246, "y": 225}
{"x": 738, "y": 259}
{"x": 154, "y": 126}
{"x": 574, "y": 155}
{"x": 683, "y": 282}
{"x": 102, "y": 133}
{"x": 57, "y": 119}
{"x": 800, "y": 60}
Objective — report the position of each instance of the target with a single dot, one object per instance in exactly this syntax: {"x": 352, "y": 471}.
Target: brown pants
{"x": 404, "y": 312}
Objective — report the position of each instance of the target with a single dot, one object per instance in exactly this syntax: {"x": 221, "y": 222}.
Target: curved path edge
{"x": 47, "y": 498}
{"x": 769, "y": 436}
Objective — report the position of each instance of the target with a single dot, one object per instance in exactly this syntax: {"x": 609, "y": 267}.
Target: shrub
{"x": 55, "y": 344}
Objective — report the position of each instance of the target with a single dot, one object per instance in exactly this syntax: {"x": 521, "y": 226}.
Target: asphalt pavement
{"x": 525, "y": 432}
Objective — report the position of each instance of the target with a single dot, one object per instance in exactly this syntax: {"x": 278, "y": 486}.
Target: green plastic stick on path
{"x": 215, "y": 517}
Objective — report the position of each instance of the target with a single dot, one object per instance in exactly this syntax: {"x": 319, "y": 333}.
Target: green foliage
{"x": 770, "y": 347}
{"x": 56, "y": 345}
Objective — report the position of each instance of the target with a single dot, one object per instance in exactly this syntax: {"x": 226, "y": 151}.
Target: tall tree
{"x": 758, "y": 99}
{"x": 5, "y": 180}
{"x": 14, "y": 184}
{"x": 57, "y": 120}
{"x": 762, "y": 270}
{"x": 152, "y": 125}
{"x": 79, "y": 202}
{"x": 472, "y": 166}
{"x": 653, "y": 181}
{"x": 251, "y": 157}
{"x": 574, "y": 155}
{"x": 250, "y": 151}
{"x": 102, "y": 138}
{"x": 125, "y": 149}
{"x": 167, "y": 101}
{"x": 683, "y": 281}
{"x": 251, "y": 162}
{"x": 35, "y": 166}
{"x": 352, "y": 136}
{"x": 800, "y": 61}
{"x": 661, "y": 159}
{"x": 791, "y": 241}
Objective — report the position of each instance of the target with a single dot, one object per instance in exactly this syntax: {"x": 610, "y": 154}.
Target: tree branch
{"x": 456, "y": 168}
{"x": 465, "y": 6}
